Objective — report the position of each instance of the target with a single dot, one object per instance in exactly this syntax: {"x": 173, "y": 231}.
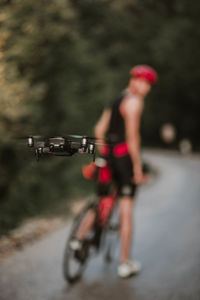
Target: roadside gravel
{"x": 34, "y": 229}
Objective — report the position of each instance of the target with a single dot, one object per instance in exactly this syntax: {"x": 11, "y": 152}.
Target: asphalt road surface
{"x": 167, "y": 242}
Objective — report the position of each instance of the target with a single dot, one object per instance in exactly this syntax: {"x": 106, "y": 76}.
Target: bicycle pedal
{"x": 81, "y": 254}
{"x": 113, "y": 227}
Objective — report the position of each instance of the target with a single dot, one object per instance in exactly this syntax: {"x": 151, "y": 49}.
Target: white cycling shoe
{"x": 75, "y": 244}
{"x": 129, "y": 268}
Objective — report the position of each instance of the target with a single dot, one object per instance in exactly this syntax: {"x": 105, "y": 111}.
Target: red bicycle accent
{"x": 105, "y": 208}
{"x": 105, "y": 175}
{"x": 120, "y": 150}
{"x": 89, "y": 171}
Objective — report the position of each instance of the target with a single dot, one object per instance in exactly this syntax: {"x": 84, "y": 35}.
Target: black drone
{"x": 62, "y": 146}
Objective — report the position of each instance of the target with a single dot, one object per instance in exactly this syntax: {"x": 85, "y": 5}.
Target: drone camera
{"x": 56, "y": 144}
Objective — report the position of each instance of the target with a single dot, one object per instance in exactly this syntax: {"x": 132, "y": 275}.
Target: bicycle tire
{"x": 70, "y": 275}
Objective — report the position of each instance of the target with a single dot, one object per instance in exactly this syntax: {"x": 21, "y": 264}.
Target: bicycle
{"x": 75, "y": 261}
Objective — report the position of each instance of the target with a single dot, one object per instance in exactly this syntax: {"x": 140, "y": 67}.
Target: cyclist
{"x": 119, "y": 125}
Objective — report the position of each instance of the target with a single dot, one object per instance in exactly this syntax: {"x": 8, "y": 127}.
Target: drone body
{"x": 61, "y": 146}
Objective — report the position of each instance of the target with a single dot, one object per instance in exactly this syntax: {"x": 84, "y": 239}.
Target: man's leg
{"x": 126, "y": 218}
{"x": 104, "y": 208}
{"x": 127, "y": 267}
{"x": 88, "y": 221}
{"x": 86, "y": 224}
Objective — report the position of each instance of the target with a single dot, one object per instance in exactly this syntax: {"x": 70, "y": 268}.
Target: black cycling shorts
{"x": 122, "y": 177}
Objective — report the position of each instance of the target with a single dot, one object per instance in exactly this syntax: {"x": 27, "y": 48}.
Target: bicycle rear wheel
{"x": 75, "y": 261}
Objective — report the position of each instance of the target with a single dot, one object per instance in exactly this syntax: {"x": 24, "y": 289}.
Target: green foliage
{"x": 63, "y": 61}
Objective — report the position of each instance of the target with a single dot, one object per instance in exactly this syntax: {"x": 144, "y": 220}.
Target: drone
{"x": 62, "y": 146}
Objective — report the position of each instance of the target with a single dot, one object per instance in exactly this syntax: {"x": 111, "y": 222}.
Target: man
{"x": 120, "y": 125}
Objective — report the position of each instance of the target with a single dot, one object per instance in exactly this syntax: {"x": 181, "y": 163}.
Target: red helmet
{"x": 145, "y": 72}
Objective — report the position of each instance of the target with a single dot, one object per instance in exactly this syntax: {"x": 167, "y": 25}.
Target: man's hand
{"x": 138, "y": 177}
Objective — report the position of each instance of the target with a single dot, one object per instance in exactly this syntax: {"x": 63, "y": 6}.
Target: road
{"x": 167, "y": 242}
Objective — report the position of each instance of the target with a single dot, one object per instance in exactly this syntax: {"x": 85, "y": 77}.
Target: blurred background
{"x": 63, "y": 61}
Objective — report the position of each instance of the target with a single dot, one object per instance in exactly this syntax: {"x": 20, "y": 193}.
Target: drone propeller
{"x": 91, "y": 143}
{"x": 100, "y": 144}
{"x": 83, "y": 136}
{"x": 75, "y": 136}
{"x": 30, "y": 136}
{"x": 58, "y": 137}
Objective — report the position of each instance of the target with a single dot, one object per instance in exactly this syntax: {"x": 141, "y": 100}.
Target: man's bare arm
{"x": 132, "y": 113}
{"x": 102, "y": 125}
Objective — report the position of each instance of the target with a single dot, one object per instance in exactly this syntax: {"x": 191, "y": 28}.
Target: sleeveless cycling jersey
{"x": 116, "y": 129}
{"x": 117, "y": 155}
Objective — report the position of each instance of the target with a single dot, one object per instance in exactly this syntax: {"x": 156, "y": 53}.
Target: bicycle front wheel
{"x": 75, "y": 261}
